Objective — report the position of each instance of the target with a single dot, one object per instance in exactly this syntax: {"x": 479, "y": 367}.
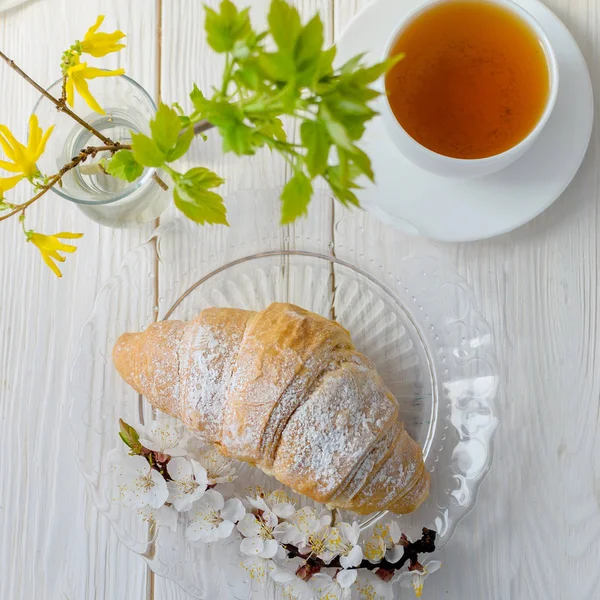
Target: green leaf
{"x": 366, "y": 76}
{"x": 249, "y": 76}
{"x": 336, "y": 130}
{"x": 182, "y": 145}
{"x": 128, "y": 434}
{"x": 295, "y": 198}
{"x": 146, "y": 152}
{"x": 316, "y": 141}
{"x": 165, "y": 127}
{"x": 309, "y": 44}
{"x": 195, "y": 200}
{"x": 325, "y": 66}
{"x": 342, "y": 190}
{"x": 226, "y": 27}
{"x": 273, "y": 129}
{"x": 352, "y": 64}
{"x": 363, "y": 163}
{"x": 285, "y": 25}
{"x": 198, "y": 99}
{"x": 237, "y": 136}
{"x": 124, "y": 166}
{"x": 277, "y": 66}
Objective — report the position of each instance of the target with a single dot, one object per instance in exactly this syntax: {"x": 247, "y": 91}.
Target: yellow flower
{"x": 24, "y": 158}
{"x": 77, "y": 76}
{"x": 50, "y": 246}
{"x": 101, "y": 44}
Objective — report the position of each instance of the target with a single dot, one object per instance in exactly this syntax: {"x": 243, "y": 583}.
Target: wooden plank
{"x": 252, "y": 183}
{"x": 535, "y": 532}
{"x": 53, "y": 542}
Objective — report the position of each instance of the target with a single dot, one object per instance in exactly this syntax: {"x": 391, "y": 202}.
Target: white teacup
{"x": 467, "y": 168}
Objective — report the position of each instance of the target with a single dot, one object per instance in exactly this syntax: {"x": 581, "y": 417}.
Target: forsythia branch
{"x": 61, "y": 105}
{"x": 77, "y": 160}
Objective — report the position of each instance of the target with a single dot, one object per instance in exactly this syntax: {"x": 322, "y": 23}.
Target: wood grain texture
{"x": 53, "y": 542}
{"x": 535, "y": 533}
{"x": 252, "y": 182}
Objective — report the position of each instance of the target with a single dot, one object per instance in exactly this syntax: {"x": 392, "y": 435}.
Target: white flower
{"x": 302, "y": 524}
{"x": 371, "y": 587}
{"x": 276, "y": 503}
{"x": 416, "y": 579}
{"x": 218, "y": 468}
{"x": 258, "y": 536}
{"x": 165, "y": 516}
{"x": 337, "y": 588}
{"x": 292, "y": 587}
{"x": 375, "y": 549}
{"x": 343, "y": 541}
{"x": 141, "y": 485}
{"x": 188, "y": 483}
{"x": 213, "y": 518}
{"x": 164, "y": 438}
{"x": 258, "y": 569}
{"x": 394, "y": 540}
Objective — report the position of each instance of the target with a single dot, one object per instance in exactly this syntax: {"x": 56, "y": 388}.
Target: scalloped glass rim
{"x": 473, "y": 420}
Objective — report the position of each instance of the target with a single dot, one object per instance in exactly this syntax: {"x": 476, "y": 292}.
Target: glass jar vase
{"x": 101, "y": 197}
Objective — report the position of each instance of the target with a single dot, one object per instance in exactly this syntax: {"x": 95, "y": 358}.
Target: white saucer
{"x": 419, "y": 203}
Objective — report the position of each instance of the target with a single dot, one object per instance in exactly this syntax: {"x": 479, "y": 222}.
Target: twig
{"x": 411, "y": 555}
{"x": 77, "y": 160}
{"x": 202, "y": 126}
{"x": 63, "y": 93}
{"x": 61, "y": 105}
{"x": 160, "y": 182}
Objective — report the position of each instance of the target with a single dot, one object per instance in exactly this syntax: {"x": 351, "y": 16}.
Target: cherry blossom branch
{"x": 425, "y": 545}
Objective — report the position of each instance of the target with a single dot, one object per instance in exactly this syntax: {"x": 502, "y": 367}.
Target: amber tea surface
{"x": 474, "y": 82}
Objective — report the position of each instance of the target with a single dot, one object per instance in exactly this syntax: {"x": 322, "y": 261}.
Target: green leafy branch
{"x": 283, "y": 72}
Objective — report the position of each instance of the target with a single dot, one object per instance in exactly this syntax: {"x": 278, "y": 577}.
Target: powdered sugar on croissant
{"x": 285, "y": 390}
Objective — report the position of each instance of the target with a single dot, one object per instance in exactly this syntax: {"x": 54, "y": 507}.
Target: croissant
{"x": 285, "y": 390}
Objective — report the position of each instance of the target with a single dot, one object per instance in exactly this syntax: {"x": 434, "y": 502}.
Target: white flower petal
{"x": 258, "y": 503}
{"x": 213, "y": 499}
{"x": 135, "y": 465}
{"x": 252, "y": 546}
{"x": 394, "y": 554}
{"x": 432, "y": 566}
{"x": 270, "y": 548}
{"x": 224, "y": 529}
{"x": 395, "y": 531}
{"x": 287, "y": 533}
{"x": 158, "y": 493}
{"x": 199, "y": 474}
{"x": 353, "y": 558}
{"x": 249, "y": 526}
{"x": 179, "y": 468}
{"x": 284, "y": 510}
{"x": 270, "y": 519}
{"x": 370, "y": 587}
{"x": 233, "y": 510}
{"x": 283, "y": 575}
{"x": 346, "y": 578}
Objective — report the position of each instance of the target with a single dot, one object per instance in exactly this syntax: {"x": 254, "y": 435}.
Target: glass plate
{"x": 420, "y": 327}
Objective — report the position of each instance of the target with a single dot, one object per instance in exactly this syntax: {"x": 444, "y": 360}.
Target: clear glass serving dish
{"x": 420, "y": 327}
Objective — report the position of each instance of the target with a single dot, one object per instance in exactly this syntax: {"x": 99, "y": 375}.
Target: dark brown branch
{"x": 60, "y": 104}
{"x": 425, "y": 545}
{"x": 202, "y": 126}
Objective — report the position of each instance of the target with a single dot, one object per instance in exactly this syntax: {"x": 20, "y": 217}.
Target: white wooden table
{"x": 535, "y": 533}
